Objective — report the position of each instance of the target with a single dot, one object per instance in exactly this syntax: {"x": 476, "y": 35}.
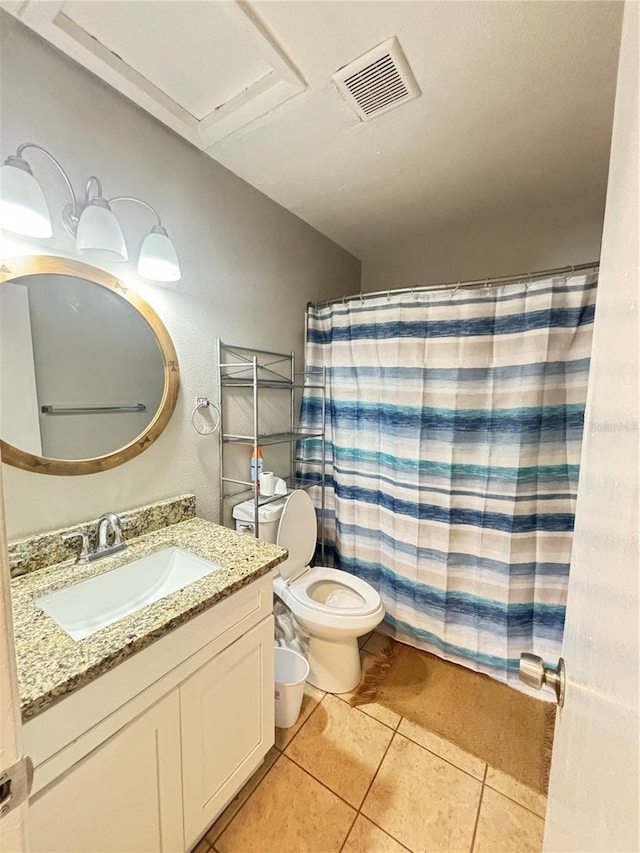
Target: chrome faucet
{"x": 108, "y": 536}
{"x": 113, "y": 522}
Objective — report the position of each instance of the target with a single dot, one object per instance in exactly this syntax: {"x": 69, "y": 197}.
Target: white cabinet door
{"x": 227, "y": 718}
{"x": 124, "y": 796}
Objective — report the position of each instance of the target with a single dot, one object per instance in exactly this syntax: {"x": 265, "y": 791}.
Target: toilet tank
{"x": 269, "y": 513}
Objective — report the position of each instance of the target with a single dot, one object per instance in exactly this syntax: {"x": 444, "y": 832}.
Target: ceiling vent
{"x": 378, "y": 81}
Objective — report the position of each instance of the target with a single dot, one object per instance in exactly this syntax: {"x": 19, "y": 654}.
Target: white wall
{"x": 528, "y": 235}
{"x": 248, "y": 266}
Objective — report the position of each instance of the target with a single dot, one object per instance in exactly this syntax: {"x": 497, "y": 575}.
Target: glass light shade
{"x": 158, "y": 260}
{"x": 99, "y": 233}
{"x": 23, "y": 207}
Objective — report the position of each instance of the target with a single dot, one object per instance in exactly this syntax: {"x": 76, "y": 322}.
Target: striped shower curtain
{"x": 453, "y": 424}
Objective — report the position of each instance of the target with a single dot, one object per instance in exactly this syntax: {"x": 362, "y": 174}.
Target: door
{"x": 227, "y": 716}
{"x": 593, "y": 794}
{"x": 13, "y": 824}
{"x": 124, "y": 797}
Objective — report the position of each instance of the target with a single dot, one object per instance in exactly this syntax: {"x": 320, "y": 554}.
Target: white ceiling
{"x": 171, "y": 45}
{"x": 516, "y": 99}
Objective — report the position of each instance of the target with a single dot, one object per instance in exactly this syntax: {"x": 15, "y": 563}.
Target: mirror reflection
{"x": 81, "y": 370}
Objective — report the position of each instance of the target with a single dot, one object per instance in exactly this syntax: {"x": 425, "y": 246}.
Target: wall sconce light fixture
{"x": 93, "y": 224}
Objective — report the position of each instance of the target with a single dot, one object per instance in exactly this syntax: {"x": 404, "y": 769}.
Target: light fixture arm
{"x": 138, "y": 201}
{"x": 93, "y": 179}
{"x": 25, "y": 145}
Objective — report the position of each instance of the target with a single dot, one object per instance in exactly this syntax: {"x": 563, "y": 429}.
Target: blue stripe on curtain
{"x": 453, "y": 428}
{"x": 492, "y": 325}
{"x": 464, "y": 374}
{"x": 533, "y": 420}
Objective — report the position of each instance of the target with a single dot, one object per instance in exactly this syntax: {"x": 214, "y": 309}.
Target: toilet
{"x": 331, "y": 608}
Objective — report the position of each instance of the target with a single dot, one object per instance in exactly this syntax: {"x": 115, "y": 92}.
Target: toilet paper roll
{"x": 280, "y": 487}
{"x": 267, "y": 483}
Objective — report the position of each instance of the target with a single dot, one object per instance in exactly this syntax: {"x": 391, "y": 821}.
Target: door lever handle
{"x": 534, "y": 673}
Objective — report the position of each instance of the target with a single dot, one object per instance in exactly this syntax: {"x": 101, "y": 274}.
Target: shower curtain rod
{"x": 460, "y": 285}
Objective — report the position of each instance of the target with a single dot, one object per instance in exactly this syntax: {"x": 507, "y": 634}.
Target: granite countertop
{"x": 51, "y": 664}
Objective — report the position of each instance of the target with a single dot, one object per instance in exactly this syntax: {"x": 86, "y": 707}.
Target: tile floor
{"x": 365, "y": 780}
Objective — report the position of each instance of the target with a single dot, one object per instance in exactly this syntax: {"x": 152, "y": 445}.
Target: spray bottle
{"x": 256, "y": 464}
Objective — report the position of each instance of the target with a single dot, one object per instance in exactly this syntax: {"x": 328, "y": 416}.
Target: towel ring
{"x": 205, "y": 403}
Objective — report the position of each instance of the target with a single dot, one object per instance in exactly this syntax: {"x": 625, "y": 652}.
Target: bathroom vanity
{"x": 142, "y": 751}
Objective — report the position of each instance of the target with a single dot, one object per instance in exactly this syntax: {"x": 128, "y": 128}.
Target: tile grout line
{"x": 360, "y": 812}
{"x": 462, "y": 770}
{"x": 320, "y": 782}
{"x": 311, "y": 713}
{"x": 386, "y": 832}
{"x": 331, "y": 791}
{"x": 242, "y": 805}
{"x": 346, "y": 838}
{"x": 475, "y": 826}
{"x": 516, "y": 802}
{"x": 357, "y": 809}
{"x": 384, "y": 755}
{"x": 446, "y": 760}
{"x": 370, "y": 716}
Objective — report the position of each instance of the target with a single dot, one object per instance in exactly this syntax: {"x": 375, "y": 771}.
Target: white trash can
{"x": 291, "y": 670}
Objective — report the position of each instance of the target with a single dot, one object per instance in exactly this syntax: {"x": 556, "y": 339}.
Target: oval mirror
{"x": 88, "y": 373}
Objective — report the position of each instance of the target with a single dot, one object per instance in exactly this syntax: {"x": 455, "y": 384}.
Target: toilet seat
{"x": 321, "y": 589}
{"x": 333, "y": 591}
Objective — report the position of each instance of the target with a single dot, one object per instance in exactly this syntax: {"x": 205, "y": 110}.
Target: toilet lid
{"x": 298, "y": 533}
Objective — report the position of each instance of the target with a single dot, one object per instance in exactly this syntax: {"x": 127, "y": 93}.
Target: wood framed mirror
{"x": 89, "y": 375}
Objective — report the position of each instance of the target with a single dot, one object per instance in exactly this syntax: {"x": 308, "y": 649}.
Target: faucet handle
{"x": 83, "y": 554}
{"x": 124, "y": 524}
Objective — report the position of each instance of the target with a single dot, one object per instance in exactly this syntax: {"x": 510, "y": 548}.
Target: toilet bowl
{"x": 331, "y": 608}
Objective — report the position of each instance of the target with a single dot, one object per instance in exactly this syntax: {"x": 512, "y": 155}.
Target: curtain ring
{"x": 457, "y": 288}
{"x": 389, "y": 295}
{"x": 486, "y": 283}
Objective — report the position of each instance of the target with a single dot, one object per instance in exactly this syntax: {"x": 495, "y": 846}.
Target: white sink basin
{"x": 86, "y": 607}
